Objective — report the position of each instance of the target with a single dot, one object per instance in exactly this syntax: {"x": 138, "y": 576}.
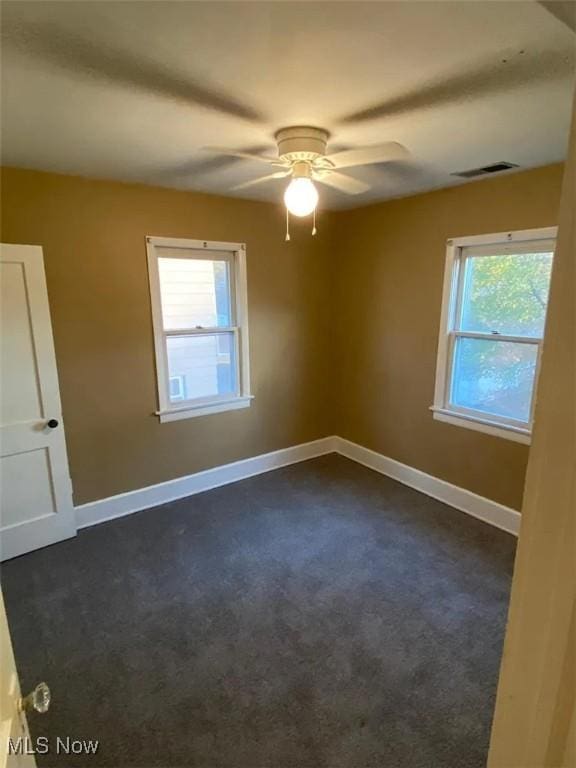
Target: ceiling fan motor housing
{"x": 301, "y": 143}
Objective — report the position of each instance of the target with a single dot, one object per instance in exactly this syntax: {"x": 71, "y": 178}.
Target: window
{"x": 177, "y": 388}
{"x": 198, "y": 292}
{"x": 493, "y": 316}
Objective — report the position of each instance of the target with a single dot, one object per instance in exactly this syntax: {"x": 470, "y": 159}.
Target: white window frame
{"x": 442, "y": 409}
{"x": 235, "y": 254}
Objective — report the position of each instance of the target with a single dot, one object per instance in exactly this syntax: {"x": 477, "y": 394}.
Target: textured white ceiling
{"x": 136, "y": 91}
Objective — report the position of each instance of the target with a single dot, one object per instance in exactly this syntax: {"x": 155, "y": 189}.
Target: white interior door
{"x": 15, "y": 745}
{"x": 35, "y": 490}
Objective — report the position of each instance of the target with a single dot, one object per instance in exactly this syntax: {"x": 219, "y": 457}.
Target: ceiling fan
{"x": 302, "y": 157}
{"x": 301, "y": 149}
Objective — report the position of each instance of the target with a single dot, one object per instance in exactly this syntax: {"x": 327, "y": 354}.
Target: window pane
{"x": 507, "y": 293}
{"x": 494, "y": 376}
{"x": 205, "y": 365}
{"x": 195, "y": 292}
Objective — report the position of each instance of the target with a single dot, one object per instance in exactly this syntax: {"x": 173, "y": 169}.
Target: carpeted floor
{"x": 318, "y": 616}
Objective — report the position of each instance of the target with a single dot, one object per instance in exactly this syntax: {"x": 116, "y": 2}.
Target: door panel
{"x": 35, "y": 490}
{"x": 23, "y": 500}
{"x": 20, "y": 395}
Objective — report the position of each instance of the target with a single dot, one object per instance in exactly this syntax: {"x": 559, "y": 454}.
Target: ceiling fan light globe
{"x": 301, "y": 197}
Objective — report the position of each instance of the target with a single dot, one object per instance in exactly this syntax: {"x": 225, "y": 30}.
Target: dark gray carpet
{"x": 318, "y": 616}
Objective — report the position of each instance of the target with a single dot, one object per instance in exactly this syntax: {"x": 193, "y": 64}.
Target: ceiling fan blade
{"x": 245, "y": 155}
{"x": 261, "y": 180}
{"x": 343, "y": 183}
{"x": 90, "y": 58}
{"x": 487, "y": 80}
{"x": 378, "y": 153}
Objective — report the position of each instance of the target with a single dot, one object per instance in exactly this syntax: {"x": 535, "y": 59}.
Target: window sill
{"x": 517, "y": 434}
{"x": 204, "y": 409}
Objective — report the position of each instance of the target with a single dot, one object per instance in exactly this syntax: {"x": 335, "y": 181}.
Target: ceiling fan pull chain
{"x": 287, "y": 225}
{"x": 314, "y": 223}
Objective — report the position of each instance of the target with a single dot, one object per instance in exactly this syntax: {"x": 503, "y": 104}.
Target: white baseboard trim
{"x": 478, "y": 506}
{"x": 134, "y": 501}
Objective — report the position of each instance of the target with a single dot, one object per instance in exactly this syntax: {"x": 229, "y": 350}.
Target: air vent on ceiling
{"x": 494, "y": 168}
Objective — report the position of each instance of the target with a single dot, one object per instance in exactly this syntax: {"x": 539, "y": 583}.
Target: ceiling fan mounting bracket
{"x": 301, "y": 143}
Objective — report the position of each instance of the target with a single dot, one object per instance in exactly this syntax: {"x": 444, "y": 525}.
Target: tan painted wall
{"x": 388, "y": 298}
{"x": 94, "y": 250}
{"x": 535, "y": 717}
{"x": 343, "y": 327}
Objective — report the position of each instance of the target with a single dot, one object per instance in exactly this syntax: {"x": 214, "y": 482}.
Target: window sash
{"x": 193, "y": 255}
{"x": 207, "y": 330}
{"x": 508, "y": 248}
{"x": 496, "y": 336}
{"x": 237, "y": 369}
{"x": 488, "y": 416}
{"x": 463, "y": 253}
